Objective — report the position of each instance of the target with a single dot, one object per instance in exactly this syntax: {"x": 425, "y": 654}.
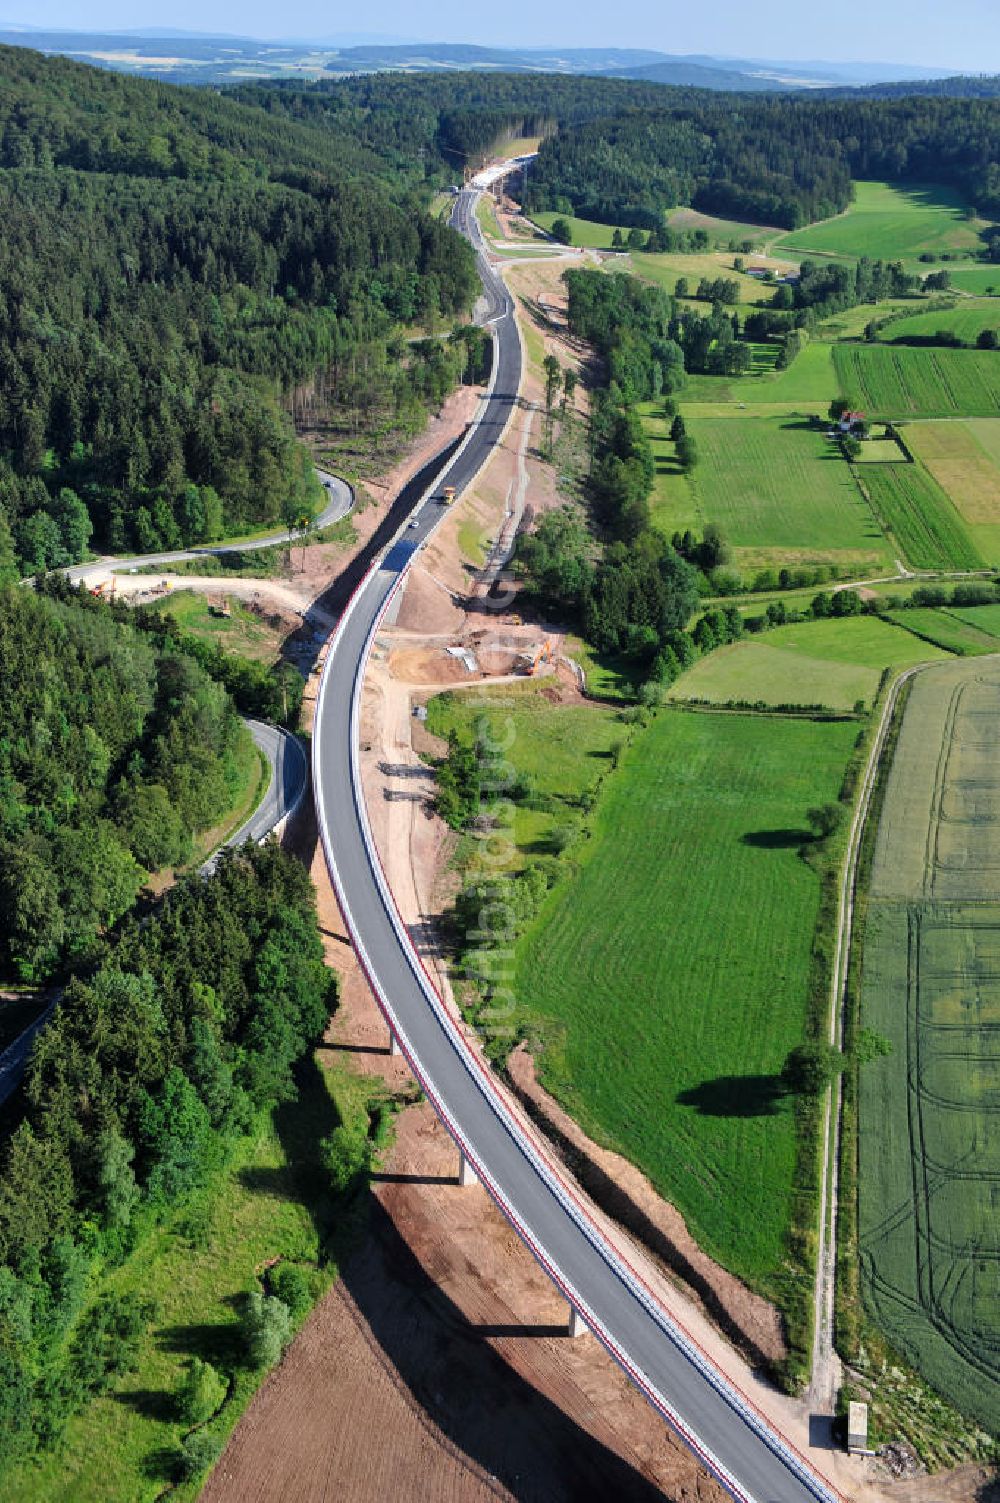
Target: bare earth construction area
{"x": 930, "y": 1110}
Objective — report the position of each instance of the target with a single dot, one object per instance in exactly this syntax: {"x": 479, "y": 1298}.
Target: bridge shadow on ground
{"x": 484, "y": 1408}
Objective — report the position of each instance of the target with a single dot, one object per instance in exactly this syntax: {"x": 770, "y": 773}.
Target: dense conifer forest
{"x": 172, "y": 262}
{"x": 114, "y": 751}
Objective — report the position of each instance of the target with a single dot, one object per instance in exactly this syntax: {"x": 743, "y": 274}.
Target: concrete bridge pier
{"x": 466, "y": 1174}
{"x": 576, "y": 1326}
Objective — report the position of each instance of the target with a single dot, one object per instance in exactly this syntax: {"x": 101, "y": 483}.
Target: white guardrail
{"x": 490, "y": 1089}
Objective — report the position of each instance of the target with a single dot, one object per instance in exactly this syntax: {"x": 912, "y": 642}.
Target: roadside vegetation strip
{"x": 928, "y": 1231}
{"x": 918, "y": 514}
{"x": 847, "y": 1304}
{"x": 894, "y": 381}
{"x": 835, "y": 950}
{"x": 663, "y": 1028}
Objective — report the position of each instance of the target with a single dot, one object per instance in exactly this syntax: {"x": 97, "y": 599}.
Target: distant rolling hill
{"x": 190, "y": 57}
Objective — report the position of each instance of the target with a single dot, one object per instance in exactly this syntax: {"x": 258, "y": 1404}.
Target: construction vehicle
{"x": 106, "y": 585}
{"x": 543, "y": 655}
{"x": 529, "y": 662}
{"x": 448, "y": 495}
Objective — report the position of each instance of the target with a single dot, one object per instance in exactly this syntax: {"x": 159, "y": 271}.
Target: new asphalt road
{"x": 719, "y": 1425}
{"x": 340, "y": 500}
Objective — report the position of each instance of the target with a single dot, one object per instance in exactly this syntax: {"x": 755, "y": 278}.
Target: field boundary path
{"x": 826, "y": 1366}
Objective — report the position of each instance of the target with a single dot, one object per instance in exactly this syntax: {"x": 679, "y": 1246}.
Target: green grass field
{"x": 966, "y": 321}
{"x": 596, "y": 236}
{"x": 827, "y": 662}
{"x": 668, "y": 978}
{"x": 890, "y": 224}
{"x": 929, "y": 1231}
{"x": 852, "y": 322}
{"x": 985, "y": 618}
{"x": 720, "y": 231}
{"x": 673, "y": 505}
{"x": 665, "y": 269}
{"x": 272, "y": 1201}
{"x": 896, "y": 382}
{"x": 779, "y": 489}
{"x": 964, "y": 459}
{"x": 562, "y": 748}
{"x": 809, "y": 384}
{"x": 241, "y": 631}
{"x": 585, "y": 232}
{"x": 916, "y": 511}
{"x": 981, "y": 281}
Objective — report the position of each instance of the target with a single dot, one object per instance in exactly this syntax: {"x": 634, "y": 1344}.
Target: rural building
{"x": 849, "y": 420}
{"x": 857, "y": 1427}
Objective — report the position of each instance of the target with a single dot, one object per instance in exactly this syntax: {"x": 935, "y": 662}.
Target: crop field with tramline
{"x": 899, "y": 382}
{"x": 929, "y": 1162}
{"x": 925, "y": 524}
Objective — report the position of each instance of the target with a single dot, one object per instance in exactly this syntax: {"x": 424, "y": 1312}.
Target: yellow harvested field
{"x": 964, "y": 458}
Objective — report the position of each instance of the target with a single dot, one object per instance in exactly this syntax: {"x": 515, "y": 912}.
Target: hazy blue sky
{"x": 964, "y": 34}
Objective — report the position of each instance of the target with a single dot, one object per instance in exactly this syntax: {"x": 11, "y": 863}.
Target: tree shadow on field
{"x": 777, "y": 840}
{"x": 737, "y": 1096}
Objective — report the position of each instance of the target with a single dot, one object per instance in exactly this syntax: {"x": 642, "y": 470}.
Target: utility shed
{"x": 857, "y": 1427}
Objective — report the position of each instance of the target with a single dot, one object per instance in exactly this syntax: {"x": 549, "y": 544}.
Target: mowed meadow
{"x": 667, "y": 977}
{"x": 829, "y": 663}
{"x": 890, "y": 223}
{"x": 776, "y": 486}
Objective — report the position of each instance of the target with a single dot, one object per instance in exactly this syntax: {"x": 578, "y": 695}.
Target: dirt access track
{"x": 439, "y": 1367}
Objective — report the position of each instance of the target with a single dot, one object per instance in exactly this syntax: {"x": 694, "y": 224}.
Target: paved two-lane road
{"x": 340, "y": 500}
{"x": 721, "y": 1427}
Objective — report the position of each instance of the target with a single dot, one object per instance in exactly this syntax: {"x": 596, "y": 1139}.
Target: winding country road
{"x": 286, "y": 787}
{"x": 721, "y": 1427}
{"x": 340, "y": 500}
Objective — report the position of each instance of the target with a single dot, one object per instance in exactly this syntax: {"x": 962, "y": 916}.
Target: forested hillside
{"x": 782, "y": 161}
{"x": 113, "y": 752}
{"x": 170, "y": 263}
{"x": 154, "y": 1064}
{"x": 623, "y": 151}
